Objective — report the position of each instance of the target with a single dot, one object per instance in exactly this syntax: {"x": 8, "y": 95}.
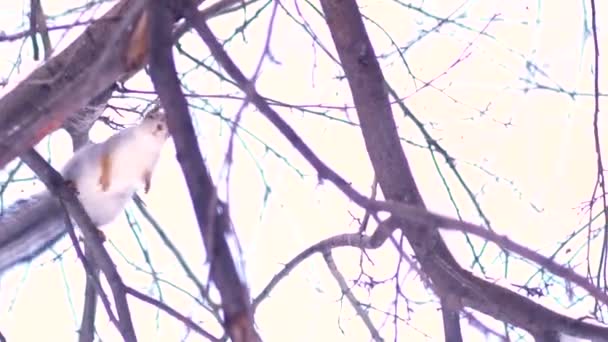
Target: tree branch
{"x": 56, "y": 185}
{"x": 172, "y": 312}
{"x": 65, "y": 83}
{"x": 105, "y": 53}
{"x": 379, "y": 131}
{"x": 357, "y": 240}
{"x": 346, "y": 291}
{"x": 211, "y": 214}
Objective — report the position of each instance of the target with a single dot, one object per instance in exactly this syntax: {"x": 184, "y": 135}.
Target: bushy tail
{"x": 28, "y": 227}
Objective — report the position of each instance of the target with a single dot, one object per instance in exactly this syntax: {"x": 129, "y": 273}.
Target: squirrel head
{"x": 156, "y": 120}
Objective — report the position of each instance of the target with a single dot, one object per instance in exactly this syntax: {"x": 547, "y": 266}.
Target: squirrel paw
{"x": 147, "y": 181}
{"x": 70, "y": 184}
{"x": 106, "y": 167}
{"x": 101, "y": 234}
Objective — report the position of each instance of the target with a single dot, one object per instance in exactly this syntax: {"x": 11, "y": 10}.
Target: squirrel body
{"x": 105, "y": 176}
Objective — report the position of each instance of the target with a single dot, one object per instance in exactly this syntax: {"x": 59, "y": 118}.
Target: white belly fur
{"x": 131, "y": 157}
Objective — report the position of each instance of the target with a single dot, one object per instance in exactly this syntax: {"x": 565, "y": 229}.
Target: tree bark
{"x": 109, "y": 49}
{"x": 449, "y": 280}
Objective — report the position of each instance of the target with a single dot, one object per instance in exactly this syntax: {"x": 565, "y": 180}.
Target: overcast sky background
{"x": 528, "y": 159}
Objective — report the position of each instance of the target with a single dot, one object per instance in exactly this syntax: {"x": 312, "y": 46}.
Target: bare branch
{"x": 56, "y": 185}
{"x": 63, "y": 85}
{"x": 169, "y": 310}
{"x": 211, "y": 214}
{"x": 57, "y": 89}
{"x": 357, "y": 240}
{"x": 89, "y": 308}
{"x": 333, "y": 268}
{"x": 601, "y": 277}
{"x": 397, "y": 182}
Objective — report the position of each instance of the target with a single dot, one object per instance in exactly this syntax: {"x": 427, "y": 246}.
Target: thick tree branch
{"x": 397, "y": 182}
{"x": 211, "y": 214}
{"x": 65, "y": 83}
{"x": 111, "y": 49}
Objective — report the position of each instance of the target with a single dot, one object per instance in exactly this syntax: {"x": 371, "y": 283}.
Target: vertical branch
{"x": 601, "y": 277}
{"x": 379, "y": 130}
{"x": 87, "y": 323}
{"x": 211, "y": 214}
{"x": 451, "y": 321}
{"x": 38, "y": 25}
{"x": 34, "y": 28}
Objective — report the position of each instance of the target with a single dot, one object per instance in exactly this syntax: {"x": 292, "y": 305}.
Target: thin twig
{"x": 333, "y": 268}
{"x": 172, "y": 312}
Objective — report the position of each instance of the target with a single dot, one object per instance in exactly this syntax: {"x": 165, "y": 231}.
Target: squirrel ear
{"x": 155, "y": 114}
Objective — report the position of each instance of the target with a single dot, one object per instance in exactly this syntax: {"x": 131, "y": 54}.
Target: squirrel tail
{"x": 28, "y": 227}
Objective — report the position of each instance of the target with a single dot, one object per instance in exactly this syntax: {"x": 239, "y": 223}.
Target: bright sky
{"x": 529, "y": 160}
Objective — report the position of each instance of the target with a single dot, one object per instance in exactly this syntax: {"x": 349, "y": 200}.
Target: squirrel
{"x": 104, "y": 175}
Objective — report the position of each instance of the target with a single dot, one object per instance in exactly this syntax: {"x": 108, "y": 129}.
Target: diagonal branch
{"x": 65, "y": 83}
{"x": 211, "y": 213}
{"x": 113, "y": 48}
{"x": 346, "y": 291}
{"x": 450, "y": 281}
{"x": 56, "y": 185}
{"x": 170, "y": 311}
{"x": 197, "y": 20}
